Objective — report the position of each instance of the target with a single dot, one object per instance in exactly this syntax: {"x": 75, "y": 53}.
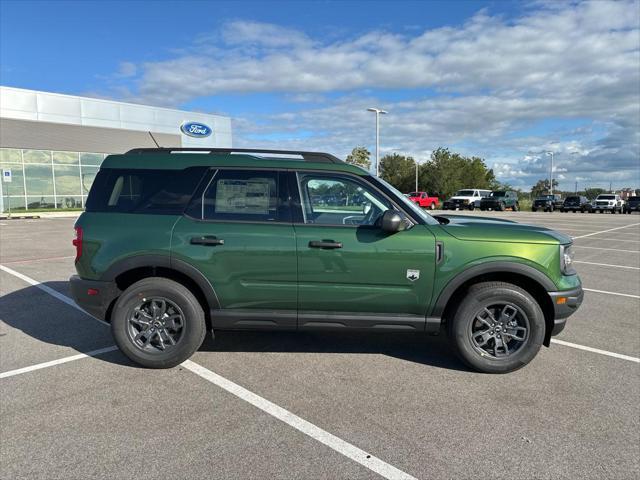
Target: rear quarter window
{"x": 163, "y": 192}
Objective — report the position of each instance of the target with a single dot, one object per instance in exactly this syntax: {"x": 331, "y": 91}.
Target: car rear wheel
{"x": 533, "y": 209}
{"x": 158, "y": 323}
{"x": 498, "y": 328}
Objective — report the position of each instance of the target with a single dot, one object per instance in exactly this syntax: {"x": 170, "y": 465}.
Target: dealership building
{"x": 51, "y": 145}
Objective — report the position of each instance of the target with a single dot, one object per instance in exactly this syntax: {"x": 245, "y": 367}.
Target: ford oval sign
{"x": 194, "y": 129}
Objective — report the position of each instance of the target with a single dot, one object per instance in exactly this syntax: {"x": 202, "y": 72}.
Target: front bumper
{"x": 97, "y": 303}
{"x": 453, "y": 204}
{"x": 565, "y": 304}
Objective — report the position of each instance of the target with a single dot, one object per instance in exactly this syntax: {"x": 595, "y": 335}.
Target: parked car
{"x": 424, "y": 200}
{"x": 547, "y": 203}
{"x": 632, "y": 205}
{"x": 174, "y": 243}
{"x": 608, "y": 202}
{"x": 467, "y": 199}
{"x": 576, "y": 203}
{"x": 500, "y": 200}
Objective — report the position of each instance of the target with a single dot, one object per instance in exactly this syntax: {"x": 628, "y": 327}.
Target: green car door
{"x": 348, "y": 267}
{"x": 238, "y": 233}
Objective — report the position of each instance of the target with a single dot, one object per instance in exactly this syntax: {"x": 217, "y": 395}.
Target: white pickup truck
{"x": 608, "y": 202}
{"x": 465, "y": 199}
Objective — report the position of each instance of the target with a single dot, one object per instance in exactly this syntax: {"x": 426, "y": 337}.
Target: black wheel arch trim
{"x": 485, "y": 268}
{"x": 164, "y": 261}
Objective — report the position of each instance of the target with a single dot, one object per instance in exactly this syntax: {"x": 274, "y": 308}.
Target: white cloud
{"x": 489, "y": 79}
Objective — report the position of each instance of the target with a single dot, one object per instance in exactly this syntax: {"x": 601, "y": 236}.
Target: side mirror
{"x": 392, "y": 221}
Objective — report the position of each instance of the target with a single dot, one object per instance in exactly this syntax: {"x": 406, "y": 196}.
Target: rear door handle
{"x": 208, "y": 241}
{"x": 326, "y": 244}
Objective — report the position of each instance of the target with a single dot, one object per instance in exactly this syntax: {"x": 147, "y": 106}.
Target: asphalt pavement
{"x": 317, "y": 405}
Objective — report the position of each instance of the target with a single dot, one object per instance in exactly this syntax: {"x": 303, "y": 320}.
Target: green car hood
{"x": 465, "y": 227}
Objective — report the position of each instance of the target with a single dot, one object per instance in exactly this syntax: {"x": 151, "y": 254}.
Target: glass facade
{"x": 47, "y": 179}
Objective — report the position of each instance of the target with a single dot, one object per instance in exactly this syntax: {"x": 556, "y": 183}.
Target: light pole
{"x": 416, "y": 175}
{"x": 551, "y": 174}
{"x": 378, "y": 113}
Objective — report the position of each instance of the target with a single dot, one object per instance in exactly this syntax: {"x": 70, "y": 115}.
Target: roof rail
{"x": 306, "y": 156}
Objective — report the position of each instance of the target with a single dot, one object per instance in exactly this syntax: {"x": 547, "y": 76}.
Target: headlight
{"x": 566, "y": 260}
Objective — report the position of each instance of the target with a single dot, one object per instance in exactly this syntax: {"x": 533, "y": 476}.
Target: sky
{"x": 505, "y": 81}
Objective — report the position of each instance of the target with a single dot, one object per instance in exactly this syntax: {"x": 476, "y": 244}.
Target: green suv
{"x": 176, "y": 242}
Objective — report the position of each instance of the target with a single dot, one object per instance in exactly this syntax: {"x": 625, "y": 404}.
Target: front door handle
{"x": 326, "y": 244}
{"x": 208, "y": 241}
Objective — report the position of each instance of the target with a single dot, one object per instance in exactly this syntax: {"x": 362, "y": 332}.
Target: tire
{"x": 485, "y": 295}
{"x": 501, "y": 207}
{"x": 516, "y": 207}
{"x": 472, "y": 207}
{"x": 533, "y": 209}
{"x": 179, "y": 300}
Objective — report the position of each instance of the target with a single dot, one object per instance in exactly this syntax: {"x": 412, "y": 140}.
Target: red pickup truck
{"x": 424, "y": 200}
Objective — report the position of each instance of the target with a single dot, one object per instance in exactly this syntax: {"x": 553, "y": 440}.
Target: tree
{"x": 446, "y": 172}
{"x": 542, "y": 187}
{"x": 399, "y": 171}
{"x": 360, "y": 156}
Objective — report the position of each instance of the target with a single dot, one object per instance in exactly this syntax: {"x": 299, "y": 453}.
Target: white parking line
{"x": 345, "y": 448}
{"x": 611, "y": 293}
{"x": 609, "y": 249}
{"x": 609, "y": 230}
{"x": 596, "y": 350}
{"x": 52, "y": 363}
{"x": 606, "y": 265}
{"x": 612, "y": 240}
{"x": 49, "y": 290}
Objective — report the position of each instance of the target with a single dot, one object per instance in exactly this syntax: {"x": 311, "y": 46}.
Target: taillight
{"x": 77, "y": 242}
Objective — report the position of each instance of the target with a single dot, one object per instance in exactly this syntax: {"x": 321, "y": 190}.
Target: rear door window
{"x": 243, "y": 195}
{"x": 143, "y": 190}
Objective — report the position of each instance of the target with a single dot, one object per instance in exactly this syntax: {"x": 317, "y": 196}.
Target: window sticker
{"x": 243, "y": 196}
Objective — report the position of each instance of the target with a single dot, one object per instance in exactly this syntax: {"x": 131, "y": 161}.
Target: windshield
{"x": 406, "y": 203}
{"x": 545, "y": 197}
{"x": 464, "y": 193}
{"x": 497, "y": 194}
{"x": 634, "y": 199}
{"x": 606, "y": 197}
{"x": 572, "y": 199}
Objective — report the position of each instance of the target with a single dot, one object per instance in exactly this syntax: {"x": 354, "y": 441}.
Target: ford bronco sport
{"x": 174, "y": 243}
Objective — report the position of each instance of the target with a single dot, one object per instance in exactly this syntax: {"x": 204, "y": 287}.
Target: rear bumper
{"x": 570, "y": 302}
{"x": 98, "y": 303}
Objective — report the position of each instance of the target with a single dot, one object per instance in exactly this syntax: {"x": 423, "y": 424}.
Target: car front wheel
{"x": 497, "y": 328}
{"x": 158, "y": 323}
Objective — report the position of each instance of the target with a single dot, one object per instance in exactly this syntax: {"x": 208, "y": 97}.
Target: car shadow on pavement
{"x": 417, "y": 348}
{"x": 50, "y": 321}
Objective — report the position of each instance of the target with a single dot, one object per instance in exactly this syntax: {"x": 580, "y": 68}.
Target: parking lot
{"x": 318, "y": 405}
